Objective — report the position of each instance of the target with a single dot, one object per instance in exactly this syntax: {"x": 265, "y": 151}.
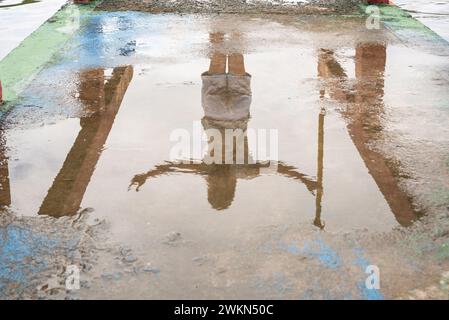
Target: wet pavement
{"x": 359, "y": 175}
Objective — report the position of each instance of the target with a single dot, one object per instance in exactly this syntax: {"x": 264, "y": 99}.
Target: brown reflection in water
{"x": 226, "y": 100}
{"x": 364, "y": 110}
{"x": 222, "y": 178}
{"x": 102, "y": 98}
{"x": 5, "y": 189}
{"x": 320, "y": 167}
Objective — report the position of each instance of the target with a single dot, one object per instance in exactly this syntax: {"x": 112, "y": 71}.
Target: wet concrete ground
{"x": 361, "y": 176}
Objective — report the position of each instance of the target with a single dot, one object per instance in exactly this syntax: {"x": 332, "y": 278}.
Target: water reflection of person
{"x": 226, "y": 100}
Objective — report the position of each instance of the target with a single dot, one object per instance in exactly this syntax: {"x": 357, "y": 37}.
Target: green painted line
{"x": 23, "y": 63}
{"x": 409, "y": 29}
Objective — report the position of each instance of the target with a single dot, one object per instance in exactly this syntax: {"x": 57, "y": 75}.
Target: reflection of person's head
{"x": 221, "y": 185}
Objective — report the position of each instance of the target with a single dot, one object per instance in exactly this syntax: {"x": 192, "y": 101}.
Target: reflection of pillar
{"x": 91, "y": 90}
{"x": 102, "y": 101}
{"x": 365, "y": 121}
{"x": 5, "y": 192}
{"x": 320, "y": 165}
{"x": 370, "y": 64}
{"x": 330, "y": 69}
{"x": 365, "y": 117}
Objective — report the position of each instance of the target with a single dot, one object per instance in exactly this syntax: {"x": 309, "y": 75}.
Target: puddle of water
{"x": 165, "y": 96}
{"x": 94, "y": 132}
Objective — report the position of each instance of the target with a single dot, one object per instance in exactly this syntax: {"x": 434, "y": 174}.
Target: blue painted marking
{"x": 325, "y": 254}
{"x": 23, "y": 255}
{"x": 291, "y": 248}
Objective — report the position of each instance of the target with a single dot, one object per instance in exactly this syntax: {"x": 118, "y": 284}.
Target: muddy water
{"x": 94, "y": 131}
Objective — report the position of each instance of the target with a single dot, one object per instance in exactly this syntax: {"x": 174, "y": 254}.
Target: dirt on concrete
{"x": 231, "y": 6}
{"x": 36, "y": 254}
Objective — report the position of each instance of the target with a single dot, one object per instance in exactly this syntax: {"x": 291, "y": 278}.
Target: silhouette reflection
{"x": 320, "y": 168}
{"x": 226, "y": 100}
{"x": 364, "y": 110}
{"x": 5, "y": 189}
{"x": 102, "y": 97}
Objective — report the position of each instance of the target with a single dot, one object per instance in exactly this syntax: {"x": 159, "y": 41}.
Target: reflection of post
{"x": 320, "y": 164}
{"x": 103, "y": 102}
{"x": 5, "y": 192}
{"x": 370, "y": 64}
{"x": 370, "y": 67}
{"x": 365, "y": 118}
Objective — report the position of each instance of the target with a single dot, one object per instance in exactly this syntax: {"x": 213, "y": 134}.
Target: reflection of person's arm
{"x": 291, "y": 172}
{"x": 162, "y": 169}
